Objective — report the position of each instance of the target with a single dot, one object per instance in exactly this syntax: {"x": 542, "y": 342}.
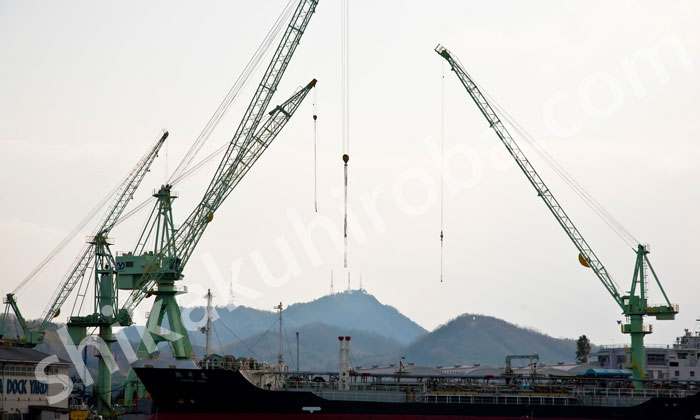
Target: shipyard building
{"x": 22, "y": 395}
{"x": 678, "y": 361}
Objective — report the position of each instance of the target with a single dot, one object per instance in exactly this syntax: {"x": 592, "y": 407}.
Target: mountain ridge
{"x": 381, "y": 335}
{"x": 355, "y": 309}
{"x": 472, "y": 338}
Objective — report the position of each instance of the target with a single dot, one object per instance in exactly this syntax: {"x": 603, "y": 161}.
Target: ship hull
{"x": 222, "y": 394}
{"x": 276, "y": 416}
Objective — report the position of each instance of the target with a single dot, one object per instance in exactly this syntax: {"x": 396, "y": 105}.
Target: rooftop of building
{"x": 24, "y": 355}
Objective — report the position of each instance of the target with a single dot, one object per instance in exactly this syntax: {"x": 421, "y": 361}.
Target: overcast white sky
{"x": 86, "y": 86}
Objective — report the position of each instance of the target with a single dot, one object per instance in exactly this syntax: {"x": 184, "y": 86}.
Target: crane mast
{"x": 634, "y": 304}
{"x": 148, "y": 277}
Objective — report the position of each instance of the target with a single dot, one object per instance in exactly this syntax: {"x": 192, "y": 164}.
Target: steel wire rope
{"x": 353, "y": 361}
{"x": 267, "y": 343}
{"x": 72, "y": 234}
{"x": 239, "y": 84}
{"x": 242, "y": 80}
{"x": 221, "y": 347}
{"x": 345, "y": 98}
{"x": 225, "y": 105}
{"x": 79, "y": 294}
{"x": 190, "y": 171}
{"x": 569, "y": 182}
{"x": 241, "y": 340}
{"x": 144, "y": 226}
{"x": 183, "y": 169}
{"x": 587, "y": 197}
{"x": 181, "y": 177}
{"x": 264, "y": 335}
{"x": 110, "y": 196}
{"x": 624, "y": 234}
{"x": 315, "y": 117}
{"x": 442, "y": 170}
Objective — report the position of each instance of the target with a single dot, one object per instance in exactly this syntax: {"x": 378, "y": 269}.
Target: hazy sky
{"x": 610, "y": 89}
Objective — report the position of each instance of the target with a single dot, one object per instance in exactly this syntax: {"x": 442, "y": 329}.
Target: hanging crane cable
{"x": 175, "y": 180}
{"x": 623, "y": 233}
{"x": 442, "y": 170}
{"x": 109, "y": 197}
{"x": 69, "y": 237}
{"x": 345, "y": 97}
{"x": 241, "y": 82}
{"x": 315, "y": 116}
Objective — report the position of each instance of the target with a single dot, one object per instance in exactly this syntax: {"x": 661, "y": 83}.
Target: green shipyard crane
{"x": 32, "y": 337}
{"x": 154, "y": 272}
{"x": 634, "y": 305}
{"x": 133, "y": 266}
{"x": 96, "y": 254}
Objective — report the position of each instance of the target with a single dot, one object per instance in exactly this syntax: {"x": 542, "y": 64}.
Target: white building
{"x": 22, "y": 395}
{"x": 677, "y": 361}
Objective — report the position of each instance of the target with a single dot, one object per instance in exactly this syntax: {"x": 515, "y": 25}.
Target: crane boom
{"x": 246, "y": 157}
{"x": 634, "y": 304}
{"x": 77, "y": 271}
{"x": 155, "y": 273}
{"x": 542, "y": 190}
{"x": 243, "y": 150}
{"x": 128, "y": 189}
{"x": 236, "y": 155}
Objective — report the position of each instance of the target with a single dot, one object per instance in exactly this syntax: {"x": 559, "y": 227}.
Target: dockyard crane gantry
{"x": 634, "y": 304}
{"x": 96, "y": 254}
{"x": 155, "y": 271}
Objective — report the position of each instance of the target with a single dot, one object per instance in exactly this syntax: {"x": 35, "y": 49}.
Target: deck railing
{"x": 626, "y": 396}
{"x": 500, "y": 399}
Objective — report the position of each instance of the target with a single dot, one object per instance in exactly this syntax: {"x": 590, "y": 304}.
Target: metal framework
{"x": 245, "y": 148}
{"x": 634, "y": 305}
{"x": 163, "y": 267}
{"x": 96, "y": 251}
{"x": 156, "y": 272}
{"x": 511, "y": 357}
{"x": 98, "y": 255}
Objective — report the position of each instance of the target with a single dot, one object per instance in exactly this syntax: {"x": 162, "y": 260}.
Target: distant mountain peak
{"x": 475, "y": 338}
{"x": 354, "y": 309}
